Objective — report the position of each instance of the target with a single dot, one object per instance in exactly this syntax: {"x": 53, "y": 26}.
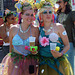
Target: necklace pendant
{"x": 49, "y": 30}
{"x": 25, "y": 30}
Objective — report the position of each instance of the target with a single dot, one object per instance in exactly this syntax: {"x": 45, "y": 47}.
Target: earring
{"x": 21, "y": 20}
{"x": 41, "y": 21}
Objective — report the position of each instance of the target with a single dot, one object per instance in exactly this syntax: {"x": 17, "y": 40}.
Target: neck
{"x": 63, "y": 10}
{"x": 24, "y": 26}
{"x": 7, "y": 24}
{"x": 47, "y": 25}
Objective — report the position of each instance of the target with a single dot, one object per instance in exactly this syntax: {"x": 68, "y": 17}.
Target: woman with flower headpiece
{"x": 4, "y": 28}
{"x": 53, "y": 45}
{"x": 22, "y": 59}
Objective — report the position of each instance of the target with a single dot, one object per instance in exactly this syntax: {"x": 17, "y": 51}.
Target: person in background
{"x": 66, "y": 16}
{"x": 56, "y": 6}
{"x": 53, "y": 44}
{"x": 21, "y": 60}
{"x": 4, "y": 29}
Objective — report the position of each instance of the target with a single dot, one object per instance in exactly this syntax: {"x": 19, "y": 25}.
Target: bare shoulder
{"x": 2, "y": 26}
{"x": 59, "y": 26}
{"x": 35, "y": 28}
{"x": 14, "y": 28}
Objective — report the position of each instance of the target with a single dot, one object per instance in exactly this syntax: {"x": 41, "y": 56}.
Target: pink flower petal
{"x": 44, "y": 41}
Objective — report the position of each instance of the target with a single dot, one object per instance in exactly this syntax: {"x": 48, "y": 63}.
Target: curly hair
{"x": 67, "y": 10}
{"x": 7, "y": 16}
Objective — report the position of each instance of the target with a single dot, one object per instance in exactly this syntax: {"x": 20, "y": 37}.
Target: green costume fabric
{"x": 48, "y": 62}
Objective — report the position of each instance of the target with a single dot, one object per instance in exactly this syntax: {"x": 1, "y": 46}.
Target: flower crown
{"x": 41, "y": 3}
{"x": 38, "y": 4}
{"x": 7, "y": 12}
{"x": 20, "y": 6}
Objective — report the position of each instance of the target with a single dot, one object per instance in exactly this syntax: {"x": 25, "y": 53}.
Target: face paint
{"x": 64, "y": 33}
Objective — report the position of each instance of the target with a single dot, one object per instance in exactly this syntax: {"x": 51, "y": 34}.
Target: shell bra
{"x": 45, "y": 51}
{"x": 19, "y": 44}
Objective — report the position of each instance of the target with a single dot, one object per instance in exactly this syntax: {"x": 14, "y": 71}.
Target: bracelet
{"x": 62, "y": 53}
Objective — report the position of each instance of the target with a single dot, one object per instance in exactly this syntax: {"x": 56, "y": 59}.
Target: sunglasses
{"x": 27, "y": 14}
{"x": 45, "y": 12}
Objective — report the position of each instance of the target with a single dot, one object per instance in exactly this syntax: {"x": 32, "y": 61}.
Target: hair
{"x": 24, "y": 8}
{"x": 7, "y": 16}
{"x": 44, "y": 6}
{"x": 67, "y": 10}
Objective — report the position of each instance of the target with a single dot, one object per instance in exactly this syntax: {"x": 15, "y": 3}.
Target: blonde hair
{"x": 45, "y": 6}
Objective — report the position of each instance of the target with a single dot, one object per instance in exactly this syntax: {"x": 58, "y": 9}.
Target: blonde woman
{"x": 53, "y": 35}
{"x": 21, "y": 61}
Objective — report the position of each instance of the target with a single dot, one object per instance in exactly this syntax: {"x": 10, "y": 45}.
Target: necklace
{"x": 25, "y": 30}
{"x": 48, "y": 30}
{"x": 62, "y": 17}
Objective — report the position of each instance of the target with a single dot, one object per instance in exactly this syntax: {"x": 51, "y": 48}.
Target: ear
{"x": 21, "y": 15}
{"x": 65, "y": 3}
{"x": 41, "y": 16}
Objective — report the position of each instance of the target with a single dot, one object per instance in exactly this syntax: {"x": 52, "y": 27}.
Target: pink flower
{"x": 44, "y": 41}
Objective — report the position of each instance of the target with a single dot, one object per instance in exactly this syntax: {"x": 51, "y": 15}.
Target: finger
{"x": 53, "y": 51}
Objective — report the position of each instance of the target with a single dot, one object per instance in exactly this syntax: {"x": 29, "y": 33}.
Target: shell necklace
{"x": 48, "y": 30}
{"x": 25, "y": 30}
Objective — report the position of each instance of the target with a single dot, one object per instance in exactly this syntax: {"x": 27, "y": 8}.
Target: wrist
{"x": 62, "y": 53}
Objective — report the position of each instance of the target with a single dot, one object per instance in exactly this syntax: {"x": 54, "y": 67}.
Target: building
{"x": 1, "y": 8}
{"x": 9, "y": 4}
{"x": 6, "y": 4}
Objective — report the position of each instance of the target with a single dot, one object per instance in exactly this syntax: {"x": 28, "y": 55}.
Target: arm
{"x": 37, "y": 36}
{"x": 10, "y": 38}
{"x": 63, "y": 36}
{"x": 3, "y": 34}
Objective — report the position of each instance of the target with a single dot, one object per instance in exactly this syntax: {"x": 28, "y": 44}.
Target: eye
{"x": 31, "y": 14}
{"x": 45, "y": 12}
{"x": 50, "y": 12}
{"x": 27, "y": 14}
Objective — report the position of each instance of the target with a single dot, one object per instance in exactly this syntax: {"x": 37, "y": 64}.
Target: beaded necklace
{"x": 48, "y": 30}
{"x": 25, "y": 30}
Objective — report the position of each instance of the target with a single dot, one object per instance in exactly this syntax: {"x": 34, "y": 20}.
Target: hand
{"x": 34, "y": 52}
{"x": 56, "y": 54}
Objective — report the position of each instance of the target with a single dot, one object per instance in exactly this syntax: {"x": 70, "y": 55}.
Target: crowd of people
{"x": 38, "y": 49}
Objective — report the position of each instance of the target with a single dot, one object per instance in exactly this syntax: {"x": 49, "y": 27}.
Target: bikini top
{"x": 19, "y": 44}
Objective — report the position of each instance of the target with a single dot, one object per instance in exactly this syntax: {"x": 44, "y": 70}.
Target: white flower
{"x": 53, "y": 37}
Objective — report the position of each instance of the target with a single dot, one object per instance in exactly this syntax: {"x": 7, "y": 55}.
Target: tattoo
{"x": 64, "y": 33}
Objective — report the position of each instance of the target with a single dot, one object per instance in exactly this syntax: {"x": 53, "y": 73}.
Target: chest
{"x": 62, "y": 17}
